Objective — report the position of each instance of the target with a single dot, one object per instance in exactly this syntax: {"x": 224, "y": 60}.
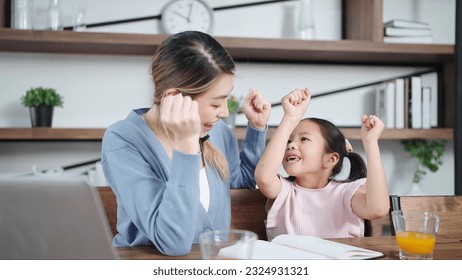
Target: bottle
{"x": 79, "y": 18}
{"x": 21, "y": 11}
{"x": 306, "y": 20}
{"x": 54, "y": 16}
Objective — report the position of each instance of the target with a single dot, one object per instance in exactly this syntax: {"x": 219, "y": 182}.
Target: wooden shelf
{"x": 51, "y": 134}
{"x": 388, "y": 134}
{"x": 96, "y": 134}
{"x": 242, "y": 49}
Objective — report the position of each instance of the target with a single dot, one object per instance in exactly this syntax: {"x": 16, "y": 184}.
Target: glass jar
{"x": 55, "y": 21}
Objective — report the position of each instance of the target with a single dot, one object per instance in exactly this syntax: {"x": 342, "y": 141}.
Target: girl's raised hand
{"x": 371, "y": 128}
{"x": 256, "y": 109}
{"x": 296, "y": 102}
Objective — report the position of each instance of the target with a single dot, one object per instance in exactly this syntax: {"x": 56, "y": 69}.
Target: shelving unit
{"x": 345, "y": 51}
{"x": 362, "y": 44}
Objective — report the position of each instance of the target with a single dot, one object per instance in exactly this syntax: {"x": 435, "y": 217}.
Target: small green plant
{"x": 428, "y": 153}
{"x": 233, "y": 104}
{"x": 40, "y": 96}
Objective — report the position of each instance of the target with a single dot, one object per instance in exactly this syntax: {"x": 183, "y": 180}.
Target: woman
{"x": 171, "y": 166}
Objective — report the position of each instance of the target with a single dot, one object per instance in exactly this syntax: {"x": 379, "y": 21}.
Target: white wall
{"x": 98, "y": 90}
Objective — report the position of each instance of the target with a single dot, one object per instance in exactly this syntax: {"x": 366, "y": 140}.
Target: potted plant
{"x": 41, "y": 102}
{"x": 429, "y": 157}
{"x": 233, "y": 108}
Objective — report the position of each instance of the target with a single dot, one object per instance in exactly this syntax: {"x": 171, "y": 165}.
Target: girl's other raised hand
{"x": 371, "y": 128}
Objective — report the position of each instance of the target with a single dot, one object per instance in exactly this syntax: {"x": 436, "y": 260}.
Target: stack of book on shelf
{"x": 408, "y": 102}
{"x": 405, "y": 31}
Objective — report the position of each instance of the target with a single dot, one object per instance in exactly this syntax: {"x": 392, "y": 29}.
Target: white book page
{"x": 264, "y": 250}
{"x": 329, "y": 249}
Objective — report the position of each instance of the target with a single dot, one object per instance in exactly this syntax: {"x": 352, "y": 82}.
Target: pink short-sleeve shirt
{"x": 324, "y": 213}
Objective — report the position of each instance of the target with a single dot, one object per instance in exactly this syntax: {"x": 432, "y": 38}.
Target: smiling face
{"x": 306, "y": 150}
{"x": 213, "y": 104}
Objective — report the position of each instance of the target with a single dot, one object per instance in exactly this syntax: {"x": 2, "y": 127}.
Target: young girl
{"x": 311, "y": 201}
{"x": 171, "y": 180}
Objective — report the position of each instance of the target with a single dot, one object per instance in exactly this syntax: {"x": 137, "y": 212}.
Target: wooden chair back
{"x": 109, "y": 201}
{"x": 379, "y": 227}
{"x": 449, "y": 208}
{"x": 247, "y": 210}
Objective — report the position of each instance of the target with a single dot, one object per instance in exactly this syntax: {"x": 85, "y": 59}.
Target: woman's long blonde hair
{"x": 191, "y": 62}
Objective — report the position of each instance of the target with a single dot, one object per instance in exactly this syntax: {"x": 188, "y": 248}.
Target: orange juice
{"x": 416, "y": 242}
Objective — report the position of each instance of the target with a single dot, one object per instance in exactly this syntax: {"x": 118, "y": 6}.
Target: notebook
{"x": 52, "y": 219}
{"x": 290, "y": 246}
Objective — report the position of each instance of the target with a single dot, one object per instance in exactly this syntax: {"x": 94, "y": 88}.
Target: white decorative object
{"x": 55, "y": 21}
{"x": 307, "y": 28}
{"x": 21, "y": 11}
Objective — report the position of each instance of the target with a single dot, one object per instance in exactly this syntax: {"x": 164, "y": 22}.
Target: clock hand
{"x": 189, "y": 12}
{"x": 181, "y": 15}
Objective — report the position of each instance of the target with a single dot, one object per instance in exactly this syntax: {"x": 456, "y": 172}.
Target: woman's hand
{"x": 256, "y": 109}
{"x": 180, "y": 116}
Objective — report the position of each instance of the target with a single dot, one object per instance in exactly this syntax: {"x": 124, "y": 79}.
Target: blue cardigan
{"x": 158, "y": 197}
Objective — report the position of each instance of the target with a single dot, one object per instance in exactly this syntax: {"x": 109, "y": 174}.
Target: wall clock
{"x": 182, "y": 15}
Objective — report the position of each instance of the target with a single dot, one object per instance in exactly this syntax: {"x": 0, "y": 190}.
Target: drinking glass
{"x": 79, "y": 19}
{"x": 227, "y": 244}
{"x": 415, "y": 233}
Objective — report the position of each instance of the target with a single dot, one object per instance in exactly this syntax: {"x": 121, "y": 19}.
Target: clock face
{"x": 182, "y": 15}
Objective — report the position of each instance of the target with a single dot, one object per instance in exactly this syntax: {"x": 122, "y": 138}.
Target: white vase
{"x": 306, "y": 26}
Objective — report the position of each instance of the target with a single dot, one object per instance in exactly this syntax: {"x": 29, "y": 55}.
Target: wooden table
{"x": 448, "y": 247}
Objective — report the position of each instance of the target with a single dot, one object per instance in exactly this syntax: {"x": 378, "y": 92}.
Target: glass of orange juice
{"x": 415, "y": 233}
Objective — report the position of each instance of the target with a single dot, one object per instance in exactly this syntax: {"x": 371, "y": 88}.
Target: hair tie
{"x": 348, "y": 146}
{"x": 203, "y": 139}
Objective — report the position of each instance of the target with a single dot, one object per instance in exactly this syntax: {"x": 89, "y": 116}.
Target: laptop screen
{"x": 42, "y": 218}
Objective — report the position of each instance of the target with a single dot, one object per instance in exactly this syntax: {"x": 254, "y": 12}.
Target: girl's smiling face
{"x": 305, "y": 151}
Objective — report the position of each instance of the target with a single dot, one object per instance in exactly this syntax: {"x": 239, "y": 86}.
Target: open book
{"x": 289, "y": 246}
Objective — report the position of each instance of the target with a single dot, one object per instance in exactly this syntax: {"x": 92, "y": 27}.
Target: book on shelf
{"x": 408, "y": 32}
{"x": 290, "y": 246}
{"x": 406, "y": 102}
{"x": 408, "y": 40}
{"x": 426, "y": 110}
{"x": 400, "y": 101}
{"x": 401, "y": 23}
{"x": 385, "y": 103}
{"x": 431, "y": 80}
{"x": 415, "y": 100}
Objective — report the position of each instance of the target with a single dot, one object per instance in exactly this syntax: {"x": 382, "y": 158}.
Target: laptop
{"x": 57, "y": 219}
